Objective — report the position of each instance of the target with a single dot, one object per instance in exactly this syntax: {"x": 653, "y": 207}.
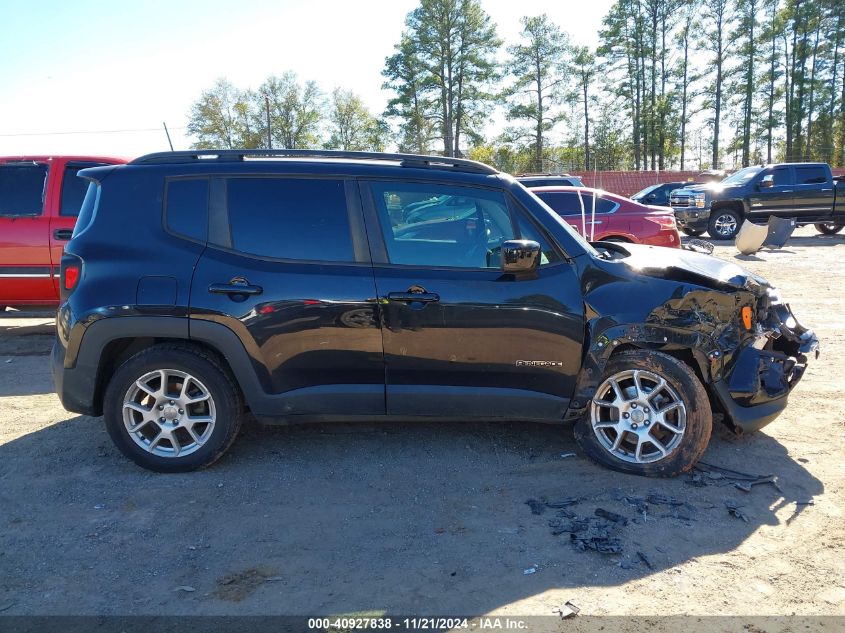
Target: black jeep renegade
{"x": 309, "y": 286}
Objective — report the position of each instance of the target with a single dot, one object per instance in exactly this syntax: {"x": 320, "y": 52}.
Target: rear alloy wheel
{"x": 172, "y": 408}
{"x": 693, "y": 232}
{"x": 724, "y": 224}
{"x": 829, "y": 228}
{"x": 650, "y": 416}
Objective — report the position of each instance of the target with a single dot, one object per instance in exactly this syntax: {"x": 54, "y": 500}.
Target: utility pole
{"x": 267, "y": 110}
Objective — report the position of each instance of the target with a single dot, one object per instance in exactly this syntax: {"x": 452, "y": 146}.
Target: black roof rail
{"x": 405, "y": 160}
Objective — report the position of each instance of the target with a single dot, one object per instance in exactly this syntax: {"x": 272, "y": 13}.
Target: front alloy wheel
{"x": 638, "y": 417}
{"x": 724, "y": 224}
{"x": 649, "y": 416}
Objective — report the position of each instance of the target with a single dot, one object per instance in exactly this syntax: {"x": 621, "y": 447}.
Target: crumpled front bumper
{"x": 764, "y": 372}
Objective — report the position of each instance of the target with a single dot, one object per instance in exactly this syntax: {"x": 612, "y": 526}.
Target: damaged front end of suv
{"x": 745, "y": 343}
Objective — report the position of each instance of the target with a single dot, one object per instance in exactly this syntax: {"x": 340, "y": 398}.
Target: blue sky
{"x": 91, "y": 65}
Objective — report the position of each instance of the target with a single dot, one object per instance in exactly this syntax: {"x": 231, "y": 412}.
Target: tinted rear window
{"x": 74, "y": 189}
{"x": 22, "y": 189}
{"x": 186, "y": 211}
{"x": 290, "y": 218}
{"x": 810, "y": 175}
{"x": 564, "y": 203}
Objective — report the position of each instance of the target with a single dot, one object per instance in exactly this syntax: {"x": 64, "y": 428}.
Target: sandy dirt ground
{"x": 426, "y": 518}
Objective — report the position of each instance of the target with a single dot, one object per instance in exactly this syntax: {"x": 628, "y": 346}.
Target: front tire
{"x": 829, "y": 228}
{"x": 172, "y": 408}
{"x": 724, "y": 223}
{"x": 650, "y": 416}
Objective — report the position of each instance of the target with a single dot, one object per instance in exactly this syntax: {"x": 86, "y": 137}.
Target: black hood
{"x": 695, "y": 268}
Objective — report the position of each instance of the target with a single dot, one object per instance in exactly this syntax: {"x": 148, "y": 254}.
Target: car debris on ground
{"x": 568, "y": 610}
{"x": 733, "y": 510}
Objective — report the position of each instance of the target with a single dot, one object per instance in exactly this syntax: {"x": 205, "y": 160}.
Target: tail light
{"x": 71, "y": 273}
{"x": 663, "y": 221}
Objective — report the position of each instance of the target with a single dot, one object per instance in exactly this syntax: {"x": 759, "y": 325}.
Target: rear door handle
{"x": 410, "y": 297}
{"x": 235, "y": 289}
{"x": 63, "y": 234}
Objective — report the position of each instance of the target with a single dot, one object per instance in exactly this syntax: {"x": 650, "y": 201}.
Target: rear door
{"x": 462, "y": 339}
{"x": 779, "y": 199}
{"x": 25, "y": 272}
{"x": 287, "y": 269}
{"x": 814, "y": 194}
{"x": 67, "y": 195}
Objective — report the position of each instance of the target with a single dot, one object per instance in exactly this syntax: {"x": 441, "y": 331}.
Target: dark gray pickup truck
{"x": 806, "y": 192}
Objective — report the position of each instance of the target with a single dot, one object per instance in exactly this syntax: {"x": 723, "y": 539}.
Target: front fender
{"x": 603, "y": 339}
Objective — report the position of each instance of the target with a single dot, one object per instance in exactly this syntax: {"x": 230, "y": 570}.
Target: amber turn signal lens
{"x": 746, "y": 317}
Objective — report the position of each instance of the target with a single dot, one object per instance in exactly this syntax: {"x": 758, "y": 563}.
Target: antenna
{"x": 169, "y": 142}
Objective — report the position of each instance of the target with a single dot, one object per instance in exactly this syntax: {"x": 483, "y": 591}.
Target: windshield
{"x": 742, "y": 176}
{"x": 644, "y": 192}
{"x": 566, "y": 226}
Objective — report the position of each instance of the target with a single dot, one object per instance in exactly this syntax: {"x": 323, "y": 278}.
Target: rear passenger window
{"x": 810, "y": 175}
{"x": 290, "y": 218}
{"x": 603, "y": 205}
{"x": 563, "y": 203}
{"x": 22, "y": 189}
{"x": 73, "y": 190}
{"x": 186, "y": 211}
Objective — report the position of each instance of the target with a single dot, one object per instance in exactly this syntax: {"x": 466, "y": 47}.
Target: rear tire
{"x": 829, "y": 228}
{"x": 661, "y": 412}
{"x": 724, "y": 223}
{"x": 693, "y": 232}
{"x": 172, "y": 408}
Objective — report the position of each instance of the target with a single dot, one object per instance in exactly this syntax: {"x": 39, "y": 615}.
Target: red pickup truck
{"x": 40, "y": 197}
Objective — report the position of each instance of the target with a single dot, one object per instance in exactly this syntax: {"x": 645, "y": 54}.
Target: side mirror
{"x": 768, "y": 181}
{"x": 520, "y": 256}
{"x": 650, "y": 197}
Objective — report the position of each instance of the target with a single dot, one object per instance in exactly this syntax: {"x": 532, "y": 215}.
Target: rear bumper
{"x": 667, "y": 237}
{"x": 75, "y": 386}
{"x": 691, "y": 218}
{"x": 756, "y": 390}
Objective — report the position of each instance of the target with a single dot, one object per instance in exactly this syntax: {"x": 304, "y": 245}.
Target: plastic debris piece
{"x": 529, "y": 571}
{"x": 733, "y": 510}
{"x": 611, "y": 516}
{"x": 561, "y": 503}
{"x": 185, "y": 588}
{"x": 663, "y": 500}
{"x": 805, "y": 502}
{"x": 565, "y": 455}
{"x": 568, "y": 610}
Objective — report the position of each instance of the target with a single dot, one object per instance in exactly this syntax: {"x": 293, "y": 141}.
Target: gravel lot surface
{"x": 426, "y": 518}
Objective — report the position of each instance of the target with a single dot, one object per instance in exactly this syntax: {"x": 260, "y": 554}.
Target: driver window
{"x": 780, "y": 176}
{"x": 442, "y": 226}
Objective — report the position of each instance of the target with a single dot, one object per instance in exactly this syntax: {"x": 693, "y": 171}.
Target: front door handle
{"x": 235, "y": 288}
{"x": 63, "y": 234}
{"x": 410, "y": 297}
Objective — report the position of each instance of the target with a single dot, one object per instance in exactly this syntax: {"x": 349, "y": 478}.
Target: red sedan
{"x": 617, "y": 218}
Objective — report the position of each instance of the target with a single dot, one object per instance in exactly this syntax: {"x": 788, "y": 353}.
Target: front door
{"x": 287, "y": 269}
{"x": 462, "y": 339}
{"x": 778, "y": 199}
{"x": 25, "y": 272}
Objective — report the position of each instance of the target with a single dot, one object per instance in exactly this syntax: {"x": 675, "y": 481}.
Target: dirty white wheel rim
{"x": 638, "y": 417}
{"x": 169, "y": 413}
{"x": 725, "y": 224}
